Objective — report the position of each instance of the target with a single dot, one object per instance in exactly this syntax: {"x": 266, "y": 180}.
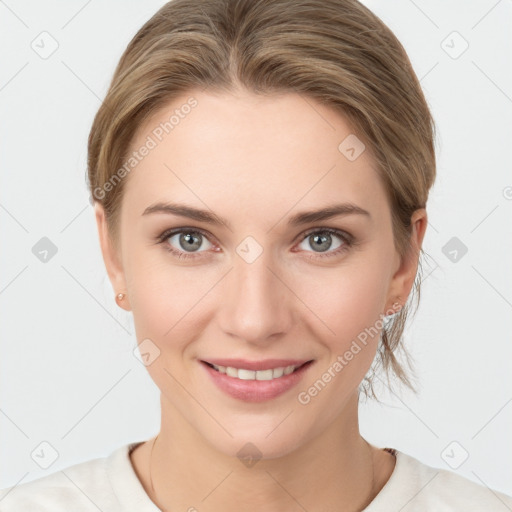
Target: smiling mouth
{"x": 245, "y": 374}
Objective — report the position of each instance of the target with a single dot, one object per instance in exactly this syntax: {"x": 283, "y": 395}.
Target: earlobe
{"x": 403, "y": 279}
{"x": 111, "y": 258}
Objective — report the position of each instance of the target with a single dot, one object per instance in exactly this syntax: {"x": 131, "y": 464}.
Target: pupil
{"x": 319, "y": 239}
{"x": 191, "y": 241}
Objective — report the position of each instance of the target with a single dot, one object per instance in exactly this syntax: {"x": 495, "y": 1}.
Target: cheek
{"x": 346, "y": 301}
{"x": 167, "y": 300}
{"x": 349, "y": 304}
{"x": 165, "y": 311}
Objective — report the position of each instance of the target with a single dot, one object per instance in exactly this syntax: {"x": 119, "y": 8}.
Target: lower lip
{"x": 255, "y": 390}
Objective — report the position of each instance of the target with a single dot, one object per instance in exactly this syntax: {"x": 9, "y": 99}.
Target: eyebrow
{"x": 306, "y": 217}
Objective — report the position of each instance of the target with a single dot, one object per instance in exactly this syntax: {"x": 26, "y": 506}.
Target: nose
{"x": 255, "y": 306}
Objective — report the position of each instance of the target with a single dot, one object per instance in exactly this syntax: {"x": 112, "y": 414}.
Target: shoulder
{"x": 414, "y": 485}
{"x": 82, "y": 487}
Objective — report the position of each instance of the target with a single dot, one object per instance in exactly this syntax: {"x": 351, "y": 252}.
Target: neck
{"x": 336, "y": 469}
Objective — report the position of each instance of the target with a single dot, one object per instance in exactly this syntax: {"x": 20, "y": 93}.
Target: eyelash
{"x": 348, "y": 241}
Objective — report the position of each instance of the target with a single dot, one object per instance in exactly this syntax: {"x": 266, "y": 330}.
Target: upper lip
{"x": 265, "y": 364}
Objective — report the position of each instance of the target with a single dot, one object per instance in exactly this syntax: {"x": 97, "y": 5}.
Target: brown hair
{"x": 336, "y": 52}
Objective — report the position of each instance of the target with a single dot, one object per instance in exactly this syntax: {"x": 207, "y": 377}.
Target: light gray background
{"x": 69, "y": 376}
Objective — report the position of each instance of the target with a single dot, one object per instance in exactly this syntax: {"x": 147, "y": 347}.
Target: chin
{"x": 257, "y": 440}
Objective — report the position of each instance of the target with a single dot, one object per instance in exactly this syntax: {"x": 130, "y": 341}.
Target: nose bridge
{"x": 255, "y": 304}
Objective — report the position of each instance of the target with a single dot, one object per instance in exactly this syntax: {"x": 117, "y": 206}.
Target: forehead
{"x": 242, "y": 152}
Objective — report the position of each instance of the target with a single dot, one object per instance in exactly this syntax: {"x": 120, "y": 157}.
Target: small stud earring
{"x": 120, "y": 296}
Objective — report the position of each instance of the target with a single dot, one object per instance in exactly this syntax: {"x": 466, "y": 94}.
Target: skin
{"x": 255, "y": 161}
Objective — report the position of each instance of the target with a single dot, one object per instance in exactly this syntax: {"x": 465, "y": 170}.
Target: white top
{"x": 110, "y": 484}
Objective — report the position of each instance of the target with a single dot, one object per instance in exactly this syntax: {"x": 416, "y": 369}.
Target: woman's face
{"x": 266, "y": 282}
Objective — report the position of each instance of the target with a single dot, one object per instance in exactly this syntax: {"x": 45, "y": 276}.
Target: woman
{"x": 260, "y": 171}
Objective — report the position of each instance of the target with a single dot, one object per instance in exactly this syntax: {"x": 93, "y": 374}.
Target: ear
{"x": 403, "y": 279}
{"x": 111, "y": 256}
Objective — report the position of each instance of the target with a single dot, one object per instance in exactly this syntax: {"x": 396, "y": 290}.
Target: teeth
{"x": 243, "y": 374}
{"x": 277, "y": 372}
{"x": 246, "y": 374}
{"x": 288, "y": 370}
{"x": 230, "y": 371}
{"x": 263, "y": 374}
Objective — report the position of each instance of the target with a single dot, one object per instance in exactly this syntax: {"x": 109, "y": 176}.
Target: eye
{"x": 321, "y": 240}
{"x": 187, "y": 241}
